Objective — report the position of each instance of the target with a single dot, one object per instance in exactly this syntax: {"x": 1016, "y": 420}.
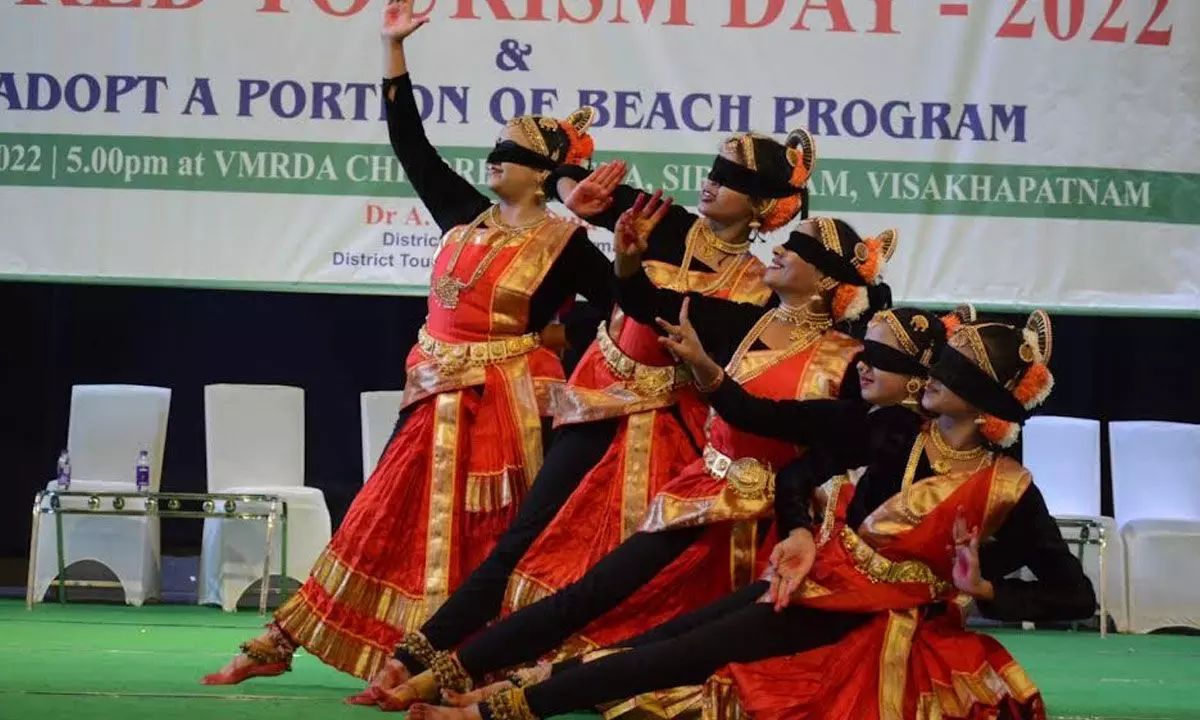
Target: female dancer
{"x": 436, "y": 503}
{"x": 892, "y": 370}
{"x": 627, "y": 420}
{"x": 700, "y": 535}
{"x": 875, "y": 629}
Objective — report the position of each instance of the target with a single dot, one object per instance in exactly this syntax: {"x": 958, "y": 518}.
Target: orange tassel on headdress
{"x": 1000, "y": 433}
{"x": 869, "y": 269}
{"x": 579, "y": 147}
{"x": 1034, "y": 387}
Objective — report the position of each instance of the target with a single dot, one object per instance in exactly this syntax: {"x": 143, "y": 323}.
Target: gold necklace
{"x": 447, "y": 288}
{"x": 714, "y": 241}
{"x": 700, "y": 232}
{"x": 948, "y": 455}
{"x": 806, "y": 322}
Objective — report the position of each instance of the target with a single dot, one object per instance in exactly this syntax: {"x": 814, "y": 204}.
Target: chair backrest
{"x": 254, "y": 436}
{"x": 1155, "y": 470}
{"x": 1063, "y": 454}
{"x": 379, "y": 410}
{"x": 110, "y": 424}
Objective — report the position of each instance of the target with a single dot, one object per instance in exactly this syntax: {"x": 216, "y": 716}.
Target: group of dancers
{"x": 763, "y": 492}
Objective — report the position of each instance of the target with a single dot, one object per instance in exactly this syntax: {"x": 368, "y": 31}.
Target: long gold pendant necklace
{"x": 447, "y": 288}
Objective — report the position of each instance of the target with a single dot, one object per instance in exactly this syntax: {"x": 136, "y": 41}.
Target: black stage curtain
{"x": 336, "y": 346}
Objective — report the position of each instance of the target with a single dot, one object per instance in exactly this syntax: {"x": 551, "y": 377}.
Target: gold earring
{"x": 914, "y": 385}
{"x": 540, "y": 194}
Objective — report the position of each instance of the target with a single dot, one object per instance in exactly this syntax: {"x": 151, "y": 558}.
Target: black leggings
{"x": 539, "y": 628}
{"x": 736, "y": 631}
{"x": 574, "y": 452}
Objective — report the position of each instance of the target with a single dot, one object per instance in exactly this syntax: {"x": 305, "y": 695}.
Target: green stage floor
{"x": 101, "y": 662}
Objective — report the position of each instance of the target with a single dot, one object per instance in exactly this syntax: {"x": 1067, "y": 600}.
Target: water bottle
{"x": 64, "y": 470}
{"x": 143, "y": 471}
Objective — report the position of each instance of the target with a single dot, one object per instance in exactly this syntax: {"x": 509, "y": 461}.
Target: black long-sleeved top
{"x": 844, "y": 435}
{"x": 581, "y": 268}
{"x": 721, "y": 324}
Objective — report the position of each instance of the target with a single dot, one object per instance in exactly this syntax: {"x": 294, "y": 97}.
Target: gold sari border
{"x": 635, "y": 480}
{"x": 893, "y": 663}
{"x": 442, "y": 482}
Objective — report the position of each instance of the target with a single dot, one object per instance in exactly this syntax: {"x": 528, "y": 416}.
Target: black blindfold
{"x": 966, "y": 380}
{"x": 889, "y": 359}
{"x": 507, "y": 151}
{"x": 737, "y": 177}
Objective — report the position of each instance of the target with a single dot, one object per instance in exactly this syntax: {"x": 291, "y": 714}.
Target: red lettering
{"x": 565, "y": 14}
{"x": 1111, "y": 33}
{"x": 170, "y": 4}
{"x": 738, "y": 19}
{"x": 839, "y": 21}
{"x": 1156, "y": 36}
{"x": 466, "y": 10}
{"x": 272, "y": 6}
{"x": 535, "y": 11}
{"x": 355, "y": 7}
{"x": 883, "y": 18}
{"x": 677, "y": 15}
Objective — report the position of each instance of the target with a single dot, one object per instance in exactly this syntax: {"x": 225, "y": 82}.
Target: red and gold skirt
{"x": 896, "y": 667}
{"x": 448, "y": 484}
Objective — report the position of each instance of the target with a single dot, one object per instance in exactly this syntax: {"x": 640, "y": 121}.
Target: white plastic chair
{"x": 254, "y": 436}
{"x": 1156, "y": 496}
{"x": 1063, "y": 454}
{"x": 109, "y": 425}
{"x": 379, "y": 411}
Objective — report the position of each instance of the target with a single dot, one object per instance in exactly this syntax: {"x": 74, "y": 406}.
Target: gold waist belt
{"x": 647, "y": 380}
{"x": 878, "y": 568}
{"x": 747, "y": 477}
{"x": 487, "y": 352}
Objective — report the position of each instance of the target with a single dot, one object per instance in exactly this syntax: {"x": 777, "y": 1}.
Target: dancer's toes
{"x": 424, "y": 711}
{"x": 462, "y": 700}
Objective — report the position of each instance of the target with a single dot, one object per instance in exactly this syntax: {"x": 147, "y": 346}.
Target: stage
{"x": 107, "y": 662}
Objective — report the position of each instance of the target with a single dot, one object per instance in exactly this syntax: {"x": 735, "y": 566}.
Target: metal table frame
{"x": 156, "y": 505}
{"x": 1085, "y": 527}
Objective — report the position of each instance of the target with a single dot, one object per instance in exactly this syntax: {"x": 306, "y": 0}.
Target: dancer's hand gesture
{"x": 791, "y": 561}
{"x": 594, "y": 195}
{"x": 684, "y": 343}
{"x": 398, "y": 20}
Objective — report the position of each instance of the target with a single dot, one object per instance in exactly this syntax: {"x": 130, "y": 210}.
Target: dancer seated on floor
{"x": 700, "y": 536}
{"x": 874, "y": 627}
{"x": 468, "y": 440}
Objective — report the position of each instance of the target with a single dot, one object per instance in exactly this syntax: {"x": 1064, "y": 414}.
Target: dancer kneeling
{"x": 874, "y": 627}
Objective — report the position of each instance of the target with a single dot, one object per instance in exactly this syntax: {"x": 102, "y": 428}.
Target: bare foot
{"x": 267, "y": 655}
{"x": 467, "y": 699}
{"x": 390, "y": 676}
{"x": 422, "y": 711}
{"x": 422, "y": 688}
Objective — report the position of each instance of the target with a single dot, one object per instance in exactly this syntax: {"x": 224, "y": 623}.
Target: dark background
{"x": 336, "y": 346}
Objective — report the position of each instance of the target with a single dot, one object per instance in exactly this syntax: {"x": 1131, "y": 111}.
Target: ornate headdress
{"x": 1008, "y": 377}
{"x": 772, "y": 173}
{"x": 554, "y": 142}
{"x": 921, "y": 335}
{"x": 853, "y": 266}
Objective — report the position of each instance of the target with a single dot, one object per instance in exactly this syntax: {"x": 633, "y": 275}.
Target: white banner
{"x": 1031, "y": 152}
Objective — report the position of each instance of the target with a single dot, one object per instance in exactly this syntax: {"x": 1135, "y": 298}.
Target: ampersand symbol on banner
{"x": 512, "y": 55}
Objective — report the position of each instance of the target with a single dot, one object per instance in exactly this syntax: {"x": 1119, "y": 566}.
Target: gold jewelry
{"x": 807, "y": 322}
{"x": 702, "y": 233}
{"x": 418, "y": 646}
{"x": 948, "y": 455}
{"x": 509, "y": 704}
{"x": 449, "y": 672}
{"x": 446, "y": 288}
